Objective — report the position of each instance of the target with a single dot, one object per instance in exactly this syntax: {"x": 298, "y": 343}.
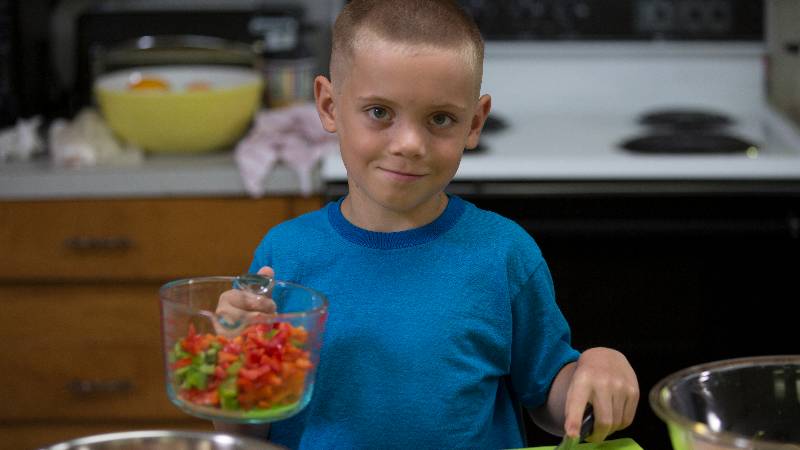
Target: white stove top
{"x": 569, "y": 106}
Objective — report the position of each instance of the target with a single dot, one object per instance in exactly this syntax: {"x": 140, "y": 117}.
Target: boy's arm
{"x": 550, "y": 416}
{"x": 602, "y": 377}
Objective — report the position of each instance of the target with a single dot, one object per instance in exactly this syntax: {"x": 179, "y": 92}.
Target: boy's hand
{"x": 236, "y": 305}
{"x": 604, "y": 378}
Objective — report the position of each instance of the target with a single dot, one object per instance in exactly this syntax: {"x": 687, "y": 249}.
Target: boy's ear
{"x": 323, "y": 94}
{"x": 478, "y": 119}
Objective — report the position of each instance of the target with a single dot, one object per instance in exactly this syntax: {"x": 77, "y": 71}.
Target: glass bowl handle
{"x": 255, "y": 284}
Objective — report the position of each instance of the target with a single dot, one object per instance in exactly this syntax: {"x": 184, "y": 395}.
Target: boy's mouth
{"x": 401, "y": 175}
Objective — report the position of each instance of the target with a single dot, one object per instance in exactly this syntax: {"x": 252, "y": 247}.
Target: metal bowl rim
{"x": 144, "y": 434}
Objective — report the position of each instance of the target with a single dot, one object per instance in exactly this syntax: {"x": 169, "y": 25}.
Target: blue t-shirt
{"x": 424, "y": 326}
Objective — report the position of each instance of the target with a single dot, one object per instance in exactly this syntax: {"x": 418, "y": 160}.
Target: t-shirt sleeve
{"x": 262, "y": 255}
{"x": 541, "y": 339}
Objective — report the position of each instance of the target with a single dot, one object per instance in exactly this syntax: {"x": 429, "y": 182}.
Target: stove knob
{"x": 480, "y": 8}
{"x": 529, "y": 9}
{"x": 581, "y": 10}
{"x": 692, "y": 16}
{"x": 655, "y": 16}
{"x": 720, "y": 16}
{"x": 485, "y": 12}
{"x": 570, "y": 13}
{"x": 532, "y": 18}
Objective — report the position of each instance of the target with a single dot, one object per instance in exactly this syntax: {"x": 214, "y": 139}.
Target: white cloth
{"x": 292, "y": 135}
{"x": 87, "y": 141}
{"x": 22, "y": 141}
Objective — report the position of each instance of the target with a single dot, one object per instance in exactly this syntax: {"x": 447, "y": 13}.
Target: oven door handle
{"x": 632, "y": 227}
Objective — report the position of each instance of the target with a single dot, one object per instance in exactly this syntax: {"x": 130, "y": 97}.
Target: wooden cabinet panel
{"x": 82, "y": 352}
{"x": 80, "y": 321}
{"x": 135, "y": 239}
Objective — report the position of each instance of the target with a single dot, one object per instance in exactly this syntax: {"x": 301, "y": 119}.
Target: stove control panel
{"x": 618, "y": 19}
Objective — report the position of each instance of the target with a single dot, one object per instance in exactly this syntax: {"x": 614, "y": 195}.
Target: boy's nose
{"x": 409, "y": 141}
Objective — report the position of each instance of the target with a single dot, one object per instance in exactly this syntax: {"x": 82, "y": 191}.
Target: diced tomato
{"x": 181, "y": 363}
{"x": 205, "y": 397}
{"x": 269, "y": 363}
{"x": 227, "y": 357}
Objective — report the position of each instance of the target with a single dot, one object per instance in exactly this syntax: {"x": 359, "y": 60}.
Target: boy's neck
{"x": 373, "y": 217}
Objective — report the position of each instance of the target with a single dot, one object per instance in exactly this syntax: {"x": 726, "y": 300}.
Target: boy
{"x": 441, "y": 314}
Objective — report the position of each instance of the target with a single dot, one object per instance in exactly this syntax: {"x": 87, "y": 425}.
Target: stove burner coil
{"x": 687, "y": 143}
{"x": 685, "y": 120}
{"x": 494, "y": 123}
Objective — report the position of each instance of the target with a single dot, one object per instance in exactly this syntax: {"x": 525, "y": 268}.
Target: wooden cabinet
{"x": 136, "y": 239}
{"x": 79, "y": 293}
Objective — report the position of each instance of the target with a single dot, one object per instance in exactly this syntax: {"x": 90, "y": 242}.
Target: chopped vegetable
{"x": 198, "y": 85}
{"x": 264, "y": 367}
{"x": 148, "y": 83}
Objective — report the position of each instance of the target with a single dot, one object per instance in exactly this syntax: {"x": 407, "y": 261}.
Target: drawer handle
{"x": 98, "y": 243}
{"x": 83, "y": 388}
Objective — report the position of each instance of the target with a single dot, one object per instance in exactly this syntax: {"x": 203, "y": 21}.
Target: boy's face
{"x": 404, "y": 117}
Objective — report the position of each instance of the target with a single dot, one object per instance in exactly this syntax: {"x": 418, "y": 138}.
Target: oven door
{"x": 671, "y": 280}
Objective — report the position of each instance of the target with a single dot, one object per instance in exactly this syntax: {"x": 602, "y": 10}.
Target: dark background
{"x": 669, "y": 280}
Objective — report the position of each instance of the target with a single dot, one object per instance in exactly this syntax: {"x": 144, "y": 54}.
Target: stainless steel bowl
{"x": 163, "y": 440}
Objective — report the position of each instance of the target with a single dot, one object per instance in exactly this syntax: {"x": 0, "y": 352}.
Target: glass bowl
{"x": 743, "y": 403}
{"x": 255, "y": 370}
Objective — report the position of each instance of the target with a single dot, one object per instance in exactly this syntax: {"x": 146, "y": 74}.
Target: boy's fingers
{"x": 237, "y": 306}
{"x": 234, "y": 299}
{"x": 253, "y": 303}
{"x": 603, "y": 410}
{"x": 577, "y": 400}
{"x": 630, "y": 411}
{"x": 266, "y": 271}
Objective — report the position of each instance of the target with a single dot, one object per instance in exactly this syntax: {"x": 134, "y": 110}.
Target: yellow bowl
{"x": 202, "y": 109}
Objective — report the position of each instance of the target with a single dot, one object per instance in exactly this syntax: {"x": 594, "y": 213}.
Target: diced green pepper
{"x": 178, "y": 353}
{"x": 195, "y": 378}
{"x": 233, "y": 369}
{"x": 182, "y": 371}
{"x": 210, "y": 356}
{"x": 228, "y": 394}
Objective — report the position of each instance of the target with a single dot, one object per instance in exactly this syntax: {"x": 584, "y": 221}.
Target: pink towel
{"x": 292, "y": 135}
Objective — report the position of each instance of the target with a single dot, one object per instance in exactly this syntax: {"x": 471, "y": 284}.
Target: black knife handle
{"x": 588, "y": 422}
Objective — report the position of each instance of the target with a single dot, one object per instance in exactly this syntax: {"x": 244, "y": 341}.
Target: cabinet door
{"x": 82, "y": 352}
{"x": 153, "y": 239}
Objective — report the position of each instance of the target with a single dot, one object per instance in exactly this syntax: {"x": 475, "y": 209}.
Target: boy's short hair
{"x": 433, "y": 23}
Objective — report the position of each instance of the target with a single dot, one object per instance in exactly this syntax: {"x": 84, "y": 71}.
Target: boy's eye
{"x": 441, "y": 120}
{"x": 378, "y": 113}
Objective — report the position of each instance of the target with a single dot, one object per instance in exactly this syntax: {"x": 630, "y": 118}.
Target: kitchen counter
{"x": 567, "y": 108}
{"x": 157, "y": 176}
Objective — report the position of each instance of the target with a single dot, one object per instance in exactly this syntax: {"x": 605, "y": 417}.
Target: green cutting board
{"x": 614, "y": 444}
